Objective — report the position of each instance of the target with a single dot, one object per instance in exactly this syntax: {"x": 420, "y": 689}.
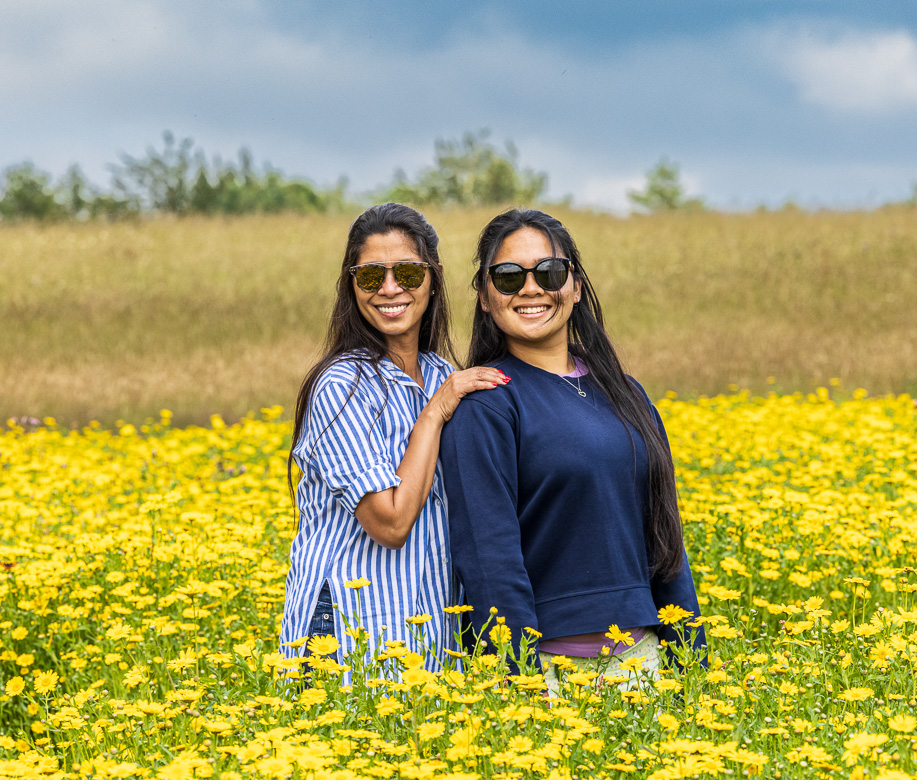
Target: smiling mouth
{"x": 392, "y": 311}
{"x": 531, "y": 309}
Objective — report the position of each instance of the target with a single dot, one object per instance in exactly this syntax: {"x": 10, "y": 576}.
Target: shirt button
{"x": 437, "y": 502}
{"x": 326, "y": 616}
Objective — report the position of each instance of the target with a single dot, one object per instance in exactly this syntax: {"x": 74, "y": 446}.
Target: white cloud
{"x": 609, "y": 192}
{"x": 84, "y": 80}
{"x": 857, "y": 72}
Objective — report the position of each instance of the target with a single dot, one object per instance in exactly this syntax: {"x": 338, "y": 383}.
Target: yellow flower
{"x": 312, "y": 696}
{"x": 20, "y": 632}
{"x": 217, "y": 726}
{"x": 46, "y": 681}
{"x": 581, "y": 678}
{"x": 388, "y": 706}
{"x": 134, "y": 677}
{"x": 296, "y": 643}
{"x": 458, "y": 609}
{"x": 633, "y": 664}
{"x": 668, "y": 722}
{"x": 500, "y": 634}
{"x": 15, "y": 686}
{"x": 418, "y": 620}
{"x": 428, "y": 731}
{"x": 324, "y": 644}
{"x": 723, "y": 594}
{"x": 359, "y": 582}
{"x": 672, "y": 614}
{"x": 412, "y": 660}
{"x": 455, "y": 653}
{"x": 725, "y": 632}
{"x": 861, "y": 743}
{"x": 619, "y": 637}
{"x": 716, "y": 676}
{"x": 856, "y": 694}
{"x": 119, "y": 631}
{"x": 902, "y": 723}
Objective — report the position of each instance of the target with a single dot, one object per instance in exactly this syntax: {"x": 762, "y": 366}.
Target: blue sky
{"x": 759, "y": 102}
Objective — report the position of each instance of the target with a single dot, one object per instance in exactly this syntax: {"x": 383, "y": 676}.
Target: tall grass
{"x": 207, "y": 315}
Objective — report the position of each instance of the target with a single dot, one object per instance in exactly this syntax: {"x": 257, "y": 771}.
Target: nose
{"x": 531, "y": 287}
{"x": 389, "y": 285}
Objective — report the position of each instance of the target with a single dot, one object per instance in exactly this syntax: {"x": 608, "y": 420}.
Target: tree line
{"x": 179, "y": 179}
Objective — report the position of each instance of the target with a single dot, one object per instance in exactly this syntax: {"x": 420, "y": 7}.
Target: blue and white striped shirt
{"x": 353, "y": 440}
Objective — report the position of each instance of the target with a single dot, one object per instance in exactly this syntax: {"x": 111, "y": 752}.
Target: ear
{"x": 482, "y": 299}
{"x": 577, "y": 290}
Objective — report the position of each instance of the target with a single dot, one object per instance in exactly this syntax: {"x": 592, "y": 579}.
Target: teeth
{"x": 392, "y": 309}
{"x": 531, "y": 309}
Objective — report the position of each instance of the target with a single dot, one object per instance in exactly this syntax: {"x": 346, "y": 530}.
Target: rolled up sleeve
{"x": 345, "y": 444}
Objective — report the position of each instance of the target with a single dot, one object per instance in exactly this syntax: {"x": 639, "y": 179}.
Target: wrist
{"x": 431, "y": 416}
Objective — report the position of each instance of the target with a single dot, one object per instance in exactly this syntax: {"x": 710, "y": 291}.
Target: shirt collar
{"x": 430, "y": 363}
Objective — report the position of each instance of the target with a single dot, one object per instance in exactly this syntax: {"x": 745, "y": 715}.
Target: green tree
{"x": 27, "y": 194}
{"x": 663, "y": 191}
{"x": 162, "y": 179}
{"x": 178, "y": 180}
{"x": 469, "y": 172}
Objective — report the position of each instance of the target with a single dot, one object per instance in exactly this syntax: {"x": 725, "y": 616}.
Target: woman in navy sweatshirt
{"x": 563, "y": 511}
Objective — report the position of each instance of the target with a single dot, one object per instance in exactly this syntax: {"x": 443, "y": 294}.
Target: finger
{"x": 492, "y": 374}
{"x": 486, "y": 384}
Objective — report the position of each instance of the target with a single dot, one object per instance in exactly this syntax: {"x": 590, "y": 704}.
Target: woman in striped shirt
{"x": 366, "y": 438}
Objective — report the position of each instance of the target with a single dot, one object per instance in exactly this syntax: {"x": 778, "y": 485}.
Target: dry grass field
{"x": 211, "y": 316}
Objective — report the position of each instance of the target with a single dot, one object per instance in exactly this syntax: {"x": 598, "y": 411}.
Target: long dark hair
{"x": 348, "y": 330}
{"x": 588, "y": 340}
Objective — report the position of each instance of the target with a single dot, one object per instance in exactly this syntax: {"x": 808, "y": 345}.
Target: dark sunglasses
{"x": 550, "y": 274}
{"x": 408, "y": 275}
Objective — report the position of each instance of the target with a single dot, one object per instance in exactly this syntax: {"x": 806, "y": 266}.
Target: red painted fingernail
{"x": 507, "y": 378}
{"x": 496, "y": 385}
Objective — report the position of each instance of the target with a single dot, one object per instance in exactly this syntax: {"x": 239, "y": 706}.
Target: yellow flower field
{"x": 142, "y": 575}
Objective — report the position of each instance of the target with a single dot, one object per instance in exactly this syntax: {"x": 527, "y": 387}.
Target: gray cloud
{"x": 80, "y": 82}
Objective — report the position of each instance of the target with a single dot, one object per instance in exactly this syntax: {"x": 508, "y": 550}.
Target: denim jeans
{"x": 323, "y": 617}
{"x": 322, "y": 624}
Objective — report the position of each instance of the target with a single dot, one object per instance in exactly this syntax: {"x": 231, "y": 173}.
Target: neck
{"x": 554, "y": 358}
{"x": 404, "y": 355}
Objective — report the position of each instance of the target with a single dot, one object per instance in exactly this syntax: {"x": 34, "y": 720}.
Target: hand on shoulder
{"x": 459, "y": 384}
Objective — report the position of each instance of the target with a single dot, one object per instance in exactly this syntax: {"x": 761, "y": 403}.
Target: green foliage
{"x": 178, "y": 180}
{"x": 27, "y": 194}
{"x": 470, "y": 172}
{"x": 663, "y": 191}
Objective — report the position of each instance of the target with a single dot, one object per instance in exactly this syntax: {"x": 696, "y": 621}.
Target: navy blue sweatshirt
{"x": 548, "y": 510}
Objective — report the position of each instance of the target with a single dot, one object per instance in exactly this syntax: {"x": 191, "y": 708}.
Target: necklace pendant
{"x": 582, "y": 393}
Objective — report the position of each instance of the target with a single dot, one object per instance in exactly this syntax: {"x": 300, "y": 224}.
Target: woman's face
{"x": 394, "y": 311}
{"x": 532, "y": 317}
